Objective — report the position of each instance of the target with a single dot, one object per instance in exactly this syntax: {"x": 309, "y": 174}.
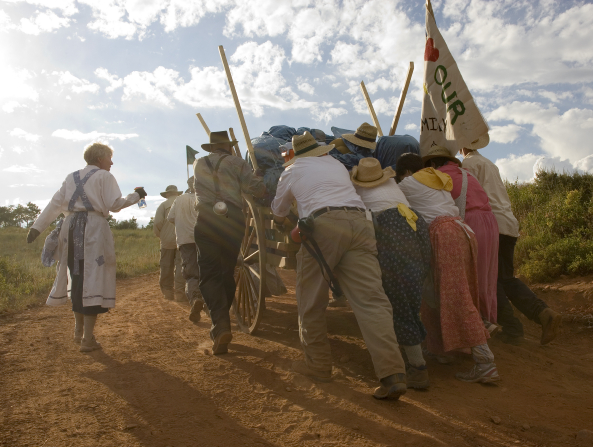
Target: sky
{"x": 134, "y": 73}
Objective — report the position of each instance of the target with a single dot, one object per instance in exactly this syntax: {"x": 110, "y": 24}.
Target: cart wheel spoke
{"x": 252, "y": 255}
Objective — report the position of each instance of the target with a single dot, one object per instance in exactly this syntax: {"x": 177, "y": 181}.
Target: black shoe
{"x": 221, "y": 343}
{"x": 510, "y": 339}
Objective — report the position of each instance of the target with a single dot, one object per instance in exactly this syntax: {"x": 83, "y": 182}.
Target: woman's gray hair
{"x": 93, "y": 152}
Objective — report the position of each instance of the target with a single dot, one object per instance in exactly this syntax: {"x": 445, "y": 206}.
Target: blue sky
{"x": 134, "y": 73}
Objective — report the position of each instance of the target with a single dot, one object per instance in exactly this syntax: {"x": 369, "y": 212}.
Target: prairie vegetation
{"x": 24, "y": 281}
{"x": 556, "y": 217}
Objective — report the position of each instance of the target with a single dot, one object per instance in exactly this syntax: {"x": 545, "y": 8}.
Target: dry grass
{"x": 24, "y": 281}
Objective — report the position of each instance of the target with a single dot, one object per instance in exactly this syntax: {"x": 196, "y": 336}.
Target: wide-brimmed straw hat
{"x": 171, "y": 190}
{"x": 306, "y": 146}
{"x": 368, "y": 173}
{"x": 217, "y": 138}
{"x": 479, "y": 143}
{"x": 341, "y": 146}
{"x": 365, "y": 136}
{"x": 439, "y": 151}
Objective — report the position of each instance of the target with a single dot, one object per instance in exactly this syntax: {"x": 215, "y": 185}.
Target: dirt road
{"x": 156, "y": 384}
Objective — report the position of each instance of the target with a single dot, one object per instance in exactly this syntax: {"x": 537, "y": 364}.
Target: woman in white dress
{"x": 82, "y": 243}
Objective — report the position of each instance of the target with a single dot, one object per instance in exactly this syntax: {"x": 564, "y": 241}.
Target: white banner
{"x": 450, "y": 117}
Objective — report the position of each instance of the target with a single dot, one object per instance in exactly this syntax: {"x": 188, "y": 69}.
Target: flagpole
{"x": 402, "y": 98}
{"x": 371, "y": 109}
{"x": 238, "y": 107}
{"x": 236, "y": 146}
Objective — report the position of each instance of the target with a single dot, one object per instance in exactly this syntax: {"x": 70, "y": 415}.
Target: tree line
{"x": 24, "y": 216}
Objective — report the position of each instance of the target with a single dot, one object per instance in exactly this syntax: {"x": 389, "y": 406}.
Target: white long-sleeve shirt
{"x": 428, "y": 202}
{"x": 183, "y": 215}
{"x": 101, "y": 189}
{"x": 379, "y": 198}
{"x": 315, "y": 182}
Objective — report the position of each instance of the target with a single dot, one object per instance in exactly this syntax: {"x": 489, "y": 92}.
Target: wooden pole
{"x": 238, "y": 107}
{"x": 371, "y": 108}
{"x": 236, "y": 146}
{"x": 429, "y": 7}
{"x": 203, "y": 124}
{"x": 402, "y": 98}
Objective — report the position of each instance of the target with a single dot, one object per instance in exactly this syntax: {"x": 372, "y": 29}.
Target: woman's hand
{"x": 140, "y": 191}
{"x": 32, "y": 235}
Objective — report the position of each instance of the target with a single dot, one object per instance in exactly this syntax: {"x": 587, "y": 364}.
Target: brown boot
{"x": 551, "y": 321}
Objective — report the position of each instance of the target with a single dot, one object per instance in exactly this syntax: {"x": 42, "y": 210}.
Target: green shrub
{"x": 555, "y": 213}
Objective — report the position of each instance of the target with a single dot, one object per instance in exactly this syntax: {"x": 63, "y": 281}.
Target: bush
{"x": 556, "y": 217}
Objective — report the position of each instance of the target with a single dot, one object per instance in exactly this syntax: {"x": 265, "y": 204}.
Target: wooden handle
{"x": 402, "y": 99}
{"x": 371, "y": 109}
{"x": 203, "y": 124}
{"x": 429, "y": 7}
{"x": 238, "y": 107}
{"x": 236, "y": 145}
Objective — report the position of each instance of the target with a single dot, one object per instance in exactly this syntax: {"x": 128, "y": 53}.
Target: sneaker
{"x": 220, "y": 345}
{"x": 392, "y": 387}
{"x": 196, "y": 310}
{"x": 478, "y": 374}
{"x": 78, "y": 337}
{"x": 550, "y": 325}
{"x": 417, "y": 377}
{"x": 89, "y": 345}
{"x": 302, "y": 368}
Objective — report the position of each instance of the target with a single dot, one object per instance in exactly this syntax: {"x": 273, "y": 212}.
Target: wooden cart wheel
{"x": 249, "y": 300}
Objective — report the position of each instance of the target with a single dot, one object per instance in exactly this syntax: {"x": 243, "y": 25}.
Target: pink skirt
{"x": 486, "y": 229}
{"x": 456, "y": 324}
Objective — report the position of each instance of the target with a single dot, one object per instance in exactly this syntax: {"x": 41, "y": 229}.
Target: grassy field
{"x": 24, "y": 281}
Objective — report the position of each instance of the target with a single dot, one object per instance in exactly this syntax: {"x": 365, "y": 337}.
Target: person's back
{"x": 162, "y": 228}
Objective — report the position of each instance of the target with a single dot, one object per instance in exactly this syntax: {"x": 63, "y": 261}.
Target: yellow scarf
{"x": 434, "y": 179}
{"x": 410, "y": 216}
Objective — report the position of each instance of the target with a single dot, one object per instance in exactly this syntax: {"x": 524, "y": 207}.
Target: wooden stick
{"x": 238, "y": 107}
{"x": 429, "y": 7}
{"x": 187, "y": 166}
{"x": 203, "y": 124}
{"x": 236, "y": 146}
{"x": 371, "y": 109}
{"x": 402, "y": 98}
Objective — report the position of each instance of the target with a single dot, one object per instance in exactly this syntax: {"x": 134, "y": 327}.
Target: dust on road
{"x": 156, "y": 384}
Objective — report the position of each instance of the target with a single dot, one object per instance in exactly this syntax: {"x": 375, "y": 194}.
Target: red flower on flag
{"x": 430, "y": 52}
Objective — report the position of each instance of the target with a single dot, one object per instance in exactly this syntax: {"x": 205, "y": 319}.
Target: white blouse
{"x": 429, "y": 203}
{"x": 379, "y": 198}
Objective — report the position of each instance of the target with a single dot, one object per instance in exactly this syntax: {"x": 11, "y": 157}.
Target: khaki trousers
{"x": 347, "y": 241}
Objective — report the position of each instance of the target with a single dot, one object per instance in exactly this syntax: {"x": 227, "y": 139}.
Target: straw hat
{"x": 341, "y": 146}
{"x": 217, "y": 138}
{"x": 479, "y": 143}
{"x": 439, "y": 151}
{"x": 364, "y": 136}
{"x": 171, "y": 190}
{"x": 368, "y": 173}
{"x": 306, "y": 146}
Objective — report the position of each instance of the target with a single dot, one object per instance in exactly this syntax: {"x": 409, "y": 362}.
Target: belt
{"x": 321, "y": 211}
{"x": 96, "y": 213}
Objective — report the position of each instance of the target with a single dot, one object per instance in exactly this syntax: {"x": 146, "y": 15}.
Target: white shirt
{"x": 315, "y": 182}
{"x": 379, "y": 198}
{"x": 428, "y": 202}
{"x": 101, "y": 189}
{"x": 489, "y": 177}
{"x": 184, "y": 215}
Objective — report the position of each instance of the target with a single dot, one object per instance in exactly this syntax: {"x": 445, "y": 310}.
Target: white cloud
{"x": 154, "y": 87}
{"x": 30, "y": 168}
{"x": 20, "y": 185}
{"x": 43, "y": 22}
{"x": 305, "y": 87}
{"x": 566, "y": 135}
{"x": 517, "y": 167}
{"x": 67, "y": 7}
{"x": 14, "y": 86}
{"x": 20, "y": 133}
{"x": 326, "y": 112}
{"x": 505, "y": 134}
{"x": 585, "y": 164}
{"x": 114, "y": 81}
{"x": 19, "y": 150}
{"x": 411, "y": 126}
{"x": 11, "y": 106}
{"x": 75, "y": 135}
{"x": 77, "y": 85}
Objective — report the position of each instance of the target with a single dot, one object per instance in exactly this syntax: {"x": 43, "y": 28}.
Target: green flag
{"x": 191, "y": 155}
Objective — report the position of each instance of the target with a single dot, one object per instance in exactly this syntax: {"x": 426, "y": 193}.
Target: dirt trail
{"x": 155, "y": 384}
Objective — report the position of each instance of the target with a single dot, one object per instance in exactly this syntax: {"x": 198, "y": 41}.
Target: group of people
{"x": 422, "y": 253}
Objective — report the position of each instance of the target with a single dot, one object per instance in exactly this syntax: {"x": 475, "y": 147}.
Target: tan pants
{"x": 347, "y": 241}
